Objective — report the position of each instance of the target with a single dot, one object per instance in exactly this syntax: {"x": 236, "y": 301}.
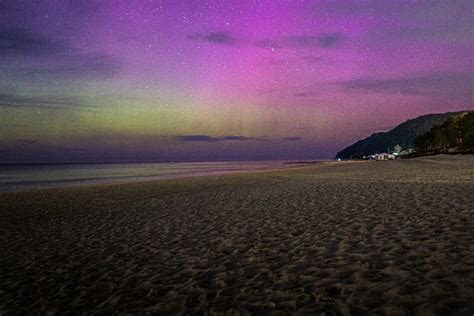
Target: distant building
{"x": 384, "y": 156}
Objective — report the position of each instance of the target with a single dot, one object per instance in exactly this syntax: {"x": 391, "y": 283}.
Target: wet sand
{"x": 384, "y": 238}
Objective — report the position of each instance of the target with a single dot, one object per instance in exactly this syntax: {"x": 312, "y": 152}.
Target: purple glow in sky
{"x": 85, "y": 80}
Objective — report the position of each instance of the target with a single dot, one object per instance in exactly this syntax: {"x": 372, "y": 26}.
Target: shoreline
{"x": 74, "y": 183}
{"x": 112, "y": 182}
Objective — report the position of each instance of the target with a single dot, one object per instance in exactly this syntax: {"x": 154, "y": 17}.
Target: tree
{"x": 467, "y": 132}
{"x": 456, "y": 134}
{"x": 397, "y": 148}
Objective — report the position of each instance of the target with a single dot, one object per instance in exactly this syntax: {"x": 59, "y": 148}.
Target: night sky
{"x": 222, "y": 80}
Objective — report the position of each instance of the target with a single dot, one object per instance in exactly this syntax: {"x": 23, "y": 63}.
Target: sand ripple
{"x": 386, "y": 238}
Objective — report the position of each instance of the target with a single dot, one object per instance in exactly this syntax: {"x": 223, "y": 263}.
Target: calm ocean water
{"x": 39, "y": 176}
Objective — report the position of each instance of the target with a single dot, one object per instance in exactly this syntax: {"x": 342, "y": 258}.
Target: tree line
{"x": 456, "y": 135}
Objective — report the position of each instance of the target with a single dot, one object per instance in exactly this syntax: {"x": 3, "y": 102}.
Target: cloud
{"x": 206, "y": 138}
{"x": 15, "y": 101}
{"x": 221, "y": 38}
{"x": 234, "y": 138}
{"x": 96, "y": 65}
{"x": 33, "y": 55}
{"x": 439, "y": 19}
{"x": 76, "y": 8}
{"x": 27, "y": 141}
{"x": 17, "y": 40}
{"x": 293, "y": 139}
{"x": 303, "y": 40}
{"x": 329, "y": 40}
{"x": 324, "y": 40}
{"x": 268, "y": 43}
{"x": 455, "y": 84}
{"x": 196, "y": 138}
{"x": 36, "y": 58}
{"x": 303, "y": 94}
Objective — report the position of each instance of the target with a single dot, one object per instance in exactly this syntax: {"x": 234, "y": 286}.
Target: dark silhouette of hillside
{"x": 403, "y": 135}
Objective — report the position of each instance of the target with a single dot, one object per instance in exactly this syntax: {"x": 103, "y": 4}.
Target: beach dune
{"x": 386, "y": 238}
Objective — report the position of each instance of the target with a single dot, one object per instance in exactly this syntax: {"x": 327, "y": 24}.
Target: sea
{"x": 27, "y": 177}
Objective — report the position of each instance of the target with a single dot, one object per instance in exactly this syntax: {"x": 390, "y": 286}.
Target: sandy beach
{"x": 383, "y": 238}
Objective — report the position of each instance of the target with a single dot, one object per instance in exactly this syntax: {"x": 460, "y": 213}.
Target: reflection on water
{"x": 37, "y": 176}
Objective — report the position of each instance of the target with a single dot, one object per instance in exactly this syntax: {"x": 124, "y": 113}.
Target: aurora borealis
{"x": 222, "y": 80}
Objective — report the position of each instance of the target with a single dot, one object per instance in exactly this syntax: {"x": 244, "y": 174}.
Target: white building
{"x": 384, "y": 156}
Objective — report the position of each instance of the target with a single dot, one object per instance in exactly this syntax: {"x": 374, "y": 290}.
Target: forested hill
{"x": 403, "y": 135}
{"x": 456, "y": 135}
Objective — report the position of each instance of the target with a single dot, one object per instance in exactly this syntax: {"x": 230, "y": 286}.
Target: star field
{"x": 222, "y": 80}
